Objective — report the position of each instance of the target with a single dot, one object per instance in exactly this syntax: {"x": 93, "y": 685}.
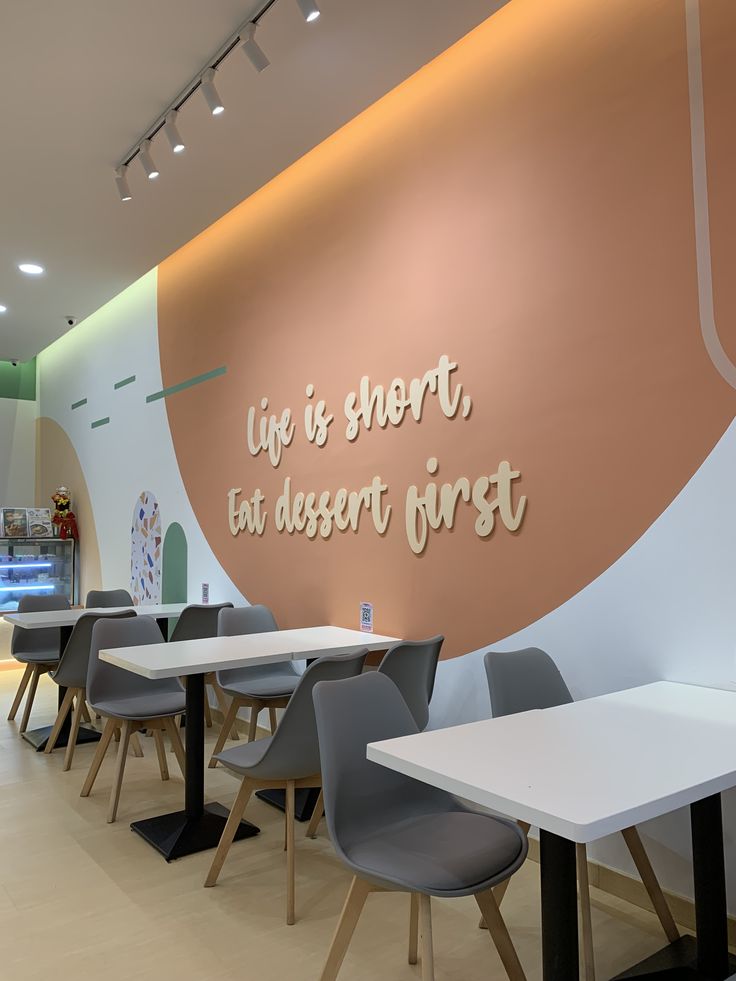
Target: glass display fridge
{"x": 36, "y": 566}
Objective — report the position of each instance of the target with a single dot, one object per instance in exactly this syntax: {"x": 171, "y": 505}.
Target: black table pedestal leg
{"x": 559, "y": 908}
{"x": 38, "y": 738}
{"x": 709, "y": 872}
{"x": 198, "y": 827}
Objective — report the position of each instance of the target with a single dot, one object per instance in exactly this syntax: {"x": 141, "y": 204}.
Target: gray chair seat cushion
{"x": 244, "y": 759}
{"x": 153, "y": 706}
{"x": 38, "y": 657}
{"x": 447, "y": 853}
{"x": 264, "y": 687}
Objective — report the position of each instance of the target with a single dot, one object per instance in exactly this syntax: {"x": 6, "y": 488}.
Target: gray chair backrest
{"x": 72, "y": 670}
{"x": 256, "y": 619}
{"x": 350, "y": 714}
{"x": 105, "y": 598}
{"x": 105, "y": 681}
{"x": 412, "y": 666}
{"x": 520, "y": 681}
{"x": 294, "y": 749}
{"x": 198, "y": 620}
{"x": 32, "y": 641}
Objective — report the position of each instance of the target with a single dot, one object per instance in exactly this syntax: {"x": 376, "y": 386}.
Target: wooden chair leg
{"x": 255, "y": 710}
{"x": 359, "y": 890}
{"x": 117, "y": 781}
{"x": 290, "y": 856}
{"x": 651, "y": 883}
{"x": 226, "y": 727}
{"x": 500, "y": 935}
{"x": 222, "y": 702}
{"x": 499, "y": 891}
{"x": 586, "y": 922}
{"x": 425, "y": 937}
{"x": 74, "y": 731}
{"x": 176, "y": 744}
{"x": 414, "y": 928}
{"x": 107, "y": 734}
{"x": 21, "y": 692}
{"x": 64, "y": 709}
{"x": 317, "y": 815}
{"x": 135, "y": 745}
{"x": 273, "y": 721}
{"x": 85, "y": 712}
{"x": 158, "y": 738}
{"x": 35, "y": 675}
{"x": 228, "y": 834}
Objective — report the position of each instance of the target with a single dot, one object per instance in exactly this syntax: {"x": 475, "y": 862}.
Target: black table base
{"x": 305, "y": 800}
{"x": 677, "y": 962}
{"x": 197, "y": 828}
{"x": 175, "y": 835}
{"x": 688, "y": 959}
{"x": 39, "y": 737}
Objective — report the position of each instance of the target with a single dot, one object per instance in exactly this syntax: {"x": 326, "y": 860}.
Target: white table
{"x": 199, "y": 827}
{"x": 585, "y": 770}
{"x": 64, "y": 621}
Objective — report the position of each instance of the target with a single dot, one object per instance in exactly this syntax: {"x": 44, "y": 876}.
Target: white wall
{"x": 17, "y": 452}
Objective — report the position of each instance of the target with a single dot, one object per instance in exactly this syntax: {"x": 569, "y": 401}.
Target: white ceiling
{"x": 80, "y": 82}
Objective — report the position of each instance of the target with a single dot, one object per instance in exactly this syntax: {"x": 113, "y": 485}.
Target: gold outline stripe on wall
{"x": 79, "y": 404}
{"x": 99, "y": 422}
{"x": 189, "y": 383}
{"x": 125, "y": 381}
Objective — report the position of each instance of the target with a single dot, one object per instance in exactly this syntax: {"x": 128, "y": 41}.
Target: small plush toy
{"x": 64, "y": 518}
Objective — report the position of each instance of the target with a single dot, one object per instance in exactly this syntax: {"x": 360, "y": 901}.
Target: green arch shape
{"x": 175, "y": 561}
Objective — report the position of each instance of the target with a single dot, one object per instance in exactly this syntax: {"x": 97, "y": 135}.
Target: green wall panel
{"x": 174, "y": 575}
{"x": 18, "y": 382}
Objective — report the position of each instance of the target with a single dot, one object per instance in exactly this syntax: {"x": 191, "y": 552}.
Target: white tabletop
{"x": 588, "y": 769}
{"x": 186, "y": 657}
{"x": 67, "y": 618}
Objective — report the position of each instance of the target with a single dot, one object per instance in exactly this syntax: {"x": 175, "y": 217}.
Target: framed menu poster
{"x": 15, "y": 522}
{"x": 39, "y": 523}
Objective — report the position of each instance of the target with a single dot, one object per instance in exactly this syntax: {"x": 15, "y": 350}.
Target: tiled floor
{"x": 81, "y": 898}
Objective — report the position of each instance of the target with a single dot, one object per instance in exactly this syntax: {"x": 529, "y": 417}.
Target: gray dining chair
{"x": 197, "y": 621}
{"x": 527, "y": 680}
{"x": 288, "y": 760}
{"x": 269, "y": 686}
{"x": 105, "y": 598}
{"x": 129, "y": 702}
{"x": 412, "y": 666}
{"x": 397, "y": 834}
{"x": 71, "y": 674}
{"x": 39, "y": 650}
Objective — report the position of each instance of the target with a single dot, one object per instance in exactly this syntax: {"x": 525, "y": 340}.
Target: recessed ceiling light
{"x": 3, "y": 309}
{"x": 31, "y": 268}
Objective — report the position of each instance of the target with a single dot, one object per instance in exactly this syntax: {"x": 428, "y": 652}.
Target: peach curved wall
{"x": 524, "y": 205}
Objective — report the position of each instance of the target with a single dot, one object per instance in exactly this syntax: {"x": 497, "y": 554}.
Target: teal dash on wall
{"x": 124, "y": 382}
{"x": 100, "y": 422}
{"x": 189, "y": 383}
{"x": 79, "y": 404}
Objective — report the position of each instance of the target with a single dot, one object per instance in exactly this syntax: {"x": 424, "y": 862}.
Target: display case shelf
{"x": 36, "y": 566}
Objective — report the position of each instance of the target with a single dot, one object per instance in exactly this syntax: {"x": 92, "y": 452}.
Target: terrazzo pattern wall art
{"x": 145, "y": 550}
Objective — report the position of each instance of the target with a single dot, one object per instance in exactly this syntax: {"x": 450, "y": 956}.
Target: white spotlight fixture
{"x": 3, "y": 308}
{"x": 31, "y": 268}
{"x": 121, "y": 183}
{"x": 210, "y": 93}
{"x": 172, "y": 132}
{"x": 149, "y": 166}
{"x": 251, "y": 47}
{"x": 310, "y": 10}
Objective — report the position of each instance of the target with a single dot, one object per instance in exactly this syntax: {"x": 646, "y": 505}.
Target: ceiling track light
{"x": 149, "y": 166}
{"x": 254, "y": 52}
{"x": 121, "y": 183}
{"x": 310, "y": 10}
{"x": 172, "y": 132}
{"x": 210, "y": 93}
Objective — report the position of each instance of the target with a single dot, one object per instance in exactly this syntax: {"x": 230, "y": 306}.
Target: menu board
{"x": 15, "y": 522}
{"x": 39, "y": 523}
